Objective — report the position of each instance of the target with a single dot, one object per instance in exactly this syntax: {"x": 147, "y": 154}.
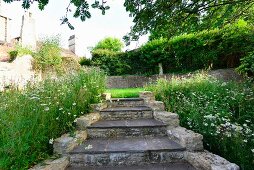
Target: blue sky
{"x": 115, "y": 23}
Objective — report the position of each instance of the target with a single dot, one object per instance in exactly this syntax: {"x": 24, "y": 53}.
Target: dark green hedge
{"x": 219, "y": 48}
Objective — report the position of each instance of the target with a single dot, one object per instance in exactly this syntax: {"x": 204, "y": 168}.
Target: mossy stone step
{"x": 163, "y": 166}
{"x": 135, "y": 151}
{"x": 127, "y": 128}
{"x": 124, "y": 113}
{"x": 125, "y": 102}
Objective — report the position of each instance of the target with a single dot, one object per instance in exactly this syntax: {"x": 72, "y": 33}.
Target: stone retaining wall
{"x": 140, "y": 81}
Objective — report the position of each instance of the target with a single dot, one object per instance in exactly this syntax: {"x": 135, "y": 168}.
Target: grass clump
{"x": 124, "y": 93}
{"x": 222, "y": 112}
{"x": 30, "y": 119}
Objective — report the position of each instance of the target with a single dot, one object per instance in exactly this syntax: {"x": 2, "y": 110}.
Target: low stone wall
{"x": 140, "y": 81}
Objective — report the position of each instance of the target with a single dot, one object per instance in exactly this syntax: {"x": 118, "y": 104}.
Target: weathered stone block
{"x": 208, "y": 161}
{"x": 66, "y": 142}
{"x": 156, "y": 105}
{"x": 58, "y": 164}
{"x": 106, "y": 96}
{"x": 171, "y": 119}
{"x": 187, "y": 138}
{"x": 84, "y": 121}
{"x": 147, "y": 96}
{"x": 98, "y": 107}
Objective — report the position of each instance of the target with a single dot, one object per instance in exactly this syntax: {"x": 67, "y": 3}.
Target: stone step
{"x": 127, "y": 128}
{"x": 161, "y": 166}
{"x": 135, "y": 151}
{"x": 125, "y": 102}
{"x": 124, "y": 113}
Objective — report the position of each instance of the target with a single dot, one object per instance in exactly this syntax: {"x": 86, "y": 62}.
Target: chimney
{"x": 72, "y": 44}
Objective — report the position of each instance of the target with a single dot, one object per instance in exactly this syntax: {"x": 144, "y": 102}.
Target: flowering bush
{"x": 30, "y": 120}
{"x": 222, "y": 112}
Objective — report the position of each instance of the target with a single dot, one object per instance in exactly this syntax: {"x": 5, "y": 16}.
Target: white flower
{"x": 46, "y": 109}
{"x": 88, "y": 147}
{"x": 75, "y": 115}
{"x": 43, "y": 104}
{"x": 75, "y": 120}
{"x": 245, "y": 141}
{"x": 74, "y": 104}
{"x": 248, "y": 121}
{"x": 69, "y": 113}
{"x": 61, "y": 108}
{"x": 205, "y": 124}
{"x": 57, "y": 118}
{"x": 252, "y": 150}
{"x": 51, "y": 141}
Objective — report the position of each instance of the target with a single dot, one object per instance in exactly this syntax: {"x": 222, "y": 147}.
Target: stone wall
{"x": 140, "y": 81}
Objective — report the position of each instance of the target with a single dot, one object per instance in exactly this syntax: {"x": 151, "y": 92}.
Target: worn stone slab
{"x": 126, "y": 109}
{"x": 127, "y": 123}
{"x": 187, "y": 138}
{"x": 162, "y": 166}
{"x": 208, "y": 161}
{"x": 125, "y": 102}
{"x": 58, "y": 164}
{"x": 84, "y": 121}
{"x": 126, "y": 113}
{"x": 127, "y": 145}
{"x": 128, "y": 132}
{"x": 171, "y": 119}
{"x": 67, "y": 142}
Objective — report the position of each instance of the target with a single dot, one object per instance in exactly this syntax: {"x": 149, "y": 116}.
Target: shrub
{"x": 23, "y": 50}
{"x": 247, "y": 65}
{"x": 85, "y": 62}
{"x": 30, "y": 118}
{"x": 222, "y": 112}
{"x": 109, "y": 43}
{"x": 13, "y": 55}
{"x": 218, "y": 48}
{"x": 109, "y": 61}
{"x": 48, "y": 55}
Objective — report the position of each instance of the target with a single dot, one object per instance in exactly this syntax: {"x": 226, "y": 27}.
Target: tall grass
{"x": 222, "y": 112}
{"x": 31, "y": 118}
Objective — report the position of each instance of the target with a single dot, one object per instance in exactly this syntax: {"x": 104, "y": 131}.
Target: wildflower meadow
{"x": 31, "y": 119}
{"x": 223, "y": 112}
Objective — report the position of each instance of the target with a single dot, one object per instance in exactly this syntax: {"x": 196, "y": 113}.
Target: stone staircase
{"x": 133, "y": 134}
{"x": 127, "y": 135}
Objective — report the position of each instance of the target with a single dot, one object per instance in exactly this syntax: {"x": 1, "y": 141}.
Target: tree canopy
{"x": 164, "y": 18}
{"x": 109, "y": 43}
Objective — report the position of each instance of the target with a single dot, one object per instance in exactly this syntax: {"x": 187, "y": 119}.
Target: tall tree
{"x": 163, "y": 17}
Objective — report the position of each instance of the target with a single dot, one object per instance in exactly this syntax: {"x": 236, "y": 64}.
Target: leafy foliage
{"x": 222, "y": 112}
{"x": 164, "y": 18}
{"x": 48, "y": 55}
{"x": 109, "y": 43}
{"x": 218, "y": 48}
{"x": 13, "y": 54}
{"x": 85, "y": 62}
{"x": 247, "y": 65}
{"x": 108, "y": 61}
{"x": 30, "y": 118}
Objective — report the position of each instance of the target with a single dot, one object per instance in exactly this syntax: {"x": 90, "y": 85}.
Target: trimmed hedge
{"x": 218, "y": 48}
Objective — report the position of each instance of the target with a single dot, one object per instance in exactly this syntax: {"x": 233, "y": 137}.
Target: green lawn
{"x": 124, "y": 93}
